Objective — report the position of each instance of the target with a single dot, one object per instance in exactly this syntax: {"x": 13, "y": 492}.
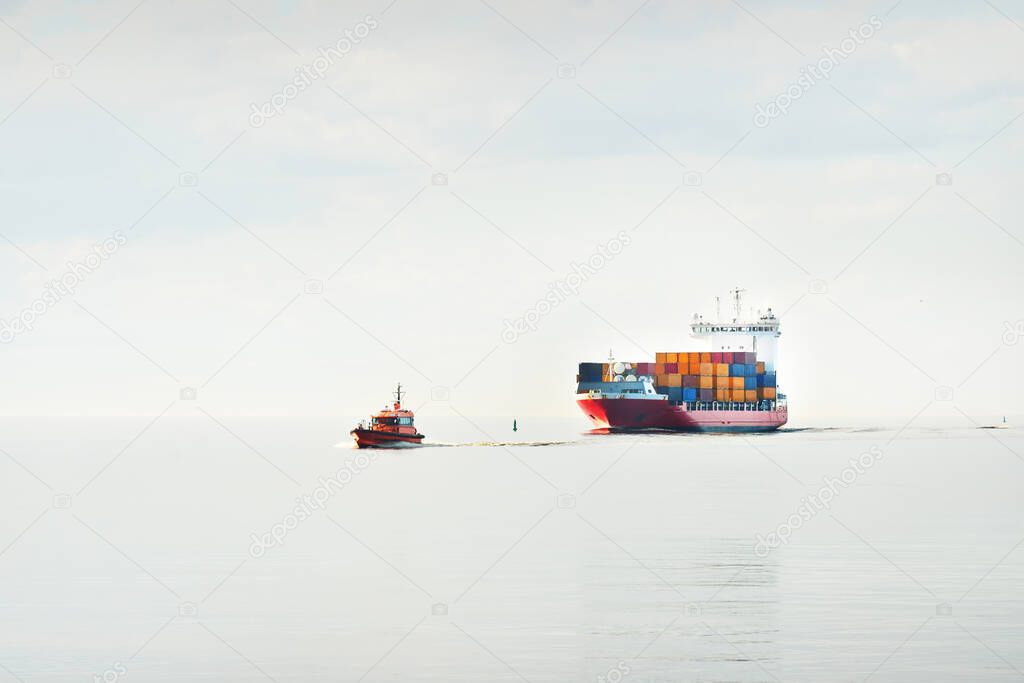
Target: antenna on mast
{"x": 737, "y": 295}
{"x": 398, "y": 395}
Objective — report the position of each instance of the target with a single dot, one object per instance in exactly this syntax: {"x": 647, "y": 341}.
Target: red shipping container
{"x": 671, "y": 368}
{"x": 716, "y": 357}
{"x": 727, "y": 357}
{"x": 691, "y": 381}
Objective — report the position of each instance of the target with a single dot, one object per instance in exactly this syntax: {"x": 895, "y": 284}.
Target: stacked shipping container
{"x": 684, "y": 376}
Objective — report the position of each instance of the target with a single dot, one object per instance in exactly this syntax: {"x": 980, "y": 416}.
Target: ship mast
{"x": 737, "y": 296}
{"x": 398, "y": 396}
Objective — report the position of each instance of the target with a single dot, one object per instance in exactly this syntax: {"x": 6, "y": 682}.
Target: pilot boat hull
{"x": 372, "y": 438}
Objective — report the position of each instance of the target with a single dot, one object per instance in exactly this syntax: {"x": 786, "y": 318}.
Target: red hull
{"x": 370, "y": 438}
{"x": 634, "y": 413}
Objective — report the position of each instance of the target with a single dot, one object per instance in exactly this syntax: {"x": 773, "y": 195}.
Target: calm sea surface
{"x": 187, "y": 549}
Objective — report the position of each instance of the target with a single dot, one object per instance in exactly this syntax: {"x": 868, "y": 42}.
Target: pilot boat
{"x": 390, "y": 428}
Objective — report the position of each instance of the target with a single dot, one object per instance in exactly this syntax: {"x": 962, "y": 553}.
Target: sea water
{"x": 254, "y": 549}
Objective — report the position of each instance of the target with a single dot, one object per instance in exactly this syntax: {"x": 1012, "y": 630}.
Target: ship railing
{"x": 764, "y": 405}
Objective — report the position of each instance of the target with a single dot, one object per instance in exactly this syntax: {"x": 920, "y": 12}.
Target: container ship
{"x": 733, "y": 387}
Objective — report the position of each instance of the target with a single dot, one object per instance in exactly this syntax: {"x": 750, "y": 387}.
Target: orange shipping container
{"x": 721, "y": 394}
{"x": 661, "y": 380}
{"x": 659, "y": 368}
{"x": 707, "y": 368}
{"x": 760, "y": 367}
{"x": 737, "y": 382}
{"x": 738, "y": 395}
{"x": 683, "y": 358}
{"x": 722, "y": 369}
{"x": 671, "y": 357}
{"x": 706, "y": 382}
{"x": 767, "y": 392}
{"x": 694, "y": 367}
{"x": 751, "y": 395}
{"x": 705, "y": 357}
{"x": 659, "y": 357}
{"x": 675, "y": 380}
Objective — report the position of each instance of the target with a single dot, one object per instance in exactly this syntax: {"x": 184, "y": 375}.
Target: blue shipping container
{"x": 675, "y": 394}
{"x": 689, "y": 394}
{"x": 590, "y": 372}
{"x": 736, "y": 370}
{"x": 750, "y": 370}
{"x": 769, "y": 379}
{"x": 750, "y": 382}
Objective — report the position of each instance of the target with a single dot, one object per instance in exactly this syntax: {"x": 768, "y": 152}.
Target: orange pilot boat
{"x": 390, "y": 428}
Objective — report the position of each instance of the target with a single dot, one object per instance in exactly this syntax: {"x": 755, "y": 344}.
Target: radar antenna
{"x": 398, "y": 396}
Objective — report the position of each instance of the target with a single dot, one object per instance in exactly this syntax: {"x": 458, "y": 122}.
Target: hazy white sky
{"x": 558, "y": 125}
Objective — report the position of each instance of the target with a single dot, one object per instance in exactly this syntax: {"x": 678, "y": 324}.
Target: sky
{"x": 452, "y": 163}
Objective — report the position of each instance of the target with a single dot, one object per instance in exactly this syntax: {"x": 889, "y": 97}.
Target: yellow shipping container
{"x": 659, "y": 357}
{"x": 675, "y": 380}
{"x": 671, "y": 357}
{"x": 722, "y": 369}
{"x": 737, "y": 382}
{"x": 707, "y": 382}
{"x": 751, "y": 395}
{"x": 683, "y": 358}
{"x": 707, "y": 368}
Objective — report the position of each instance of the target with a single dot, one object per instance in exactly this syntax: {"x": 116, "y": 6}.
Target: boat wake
{"x": 478, "y": 444}
{"x": 499, "y": 444}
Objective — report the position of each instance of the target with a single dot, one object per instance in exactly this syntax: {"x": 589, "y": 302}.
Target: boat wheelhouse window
{"x": 385, "y": 420}
{"x": 405, "y": 420}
